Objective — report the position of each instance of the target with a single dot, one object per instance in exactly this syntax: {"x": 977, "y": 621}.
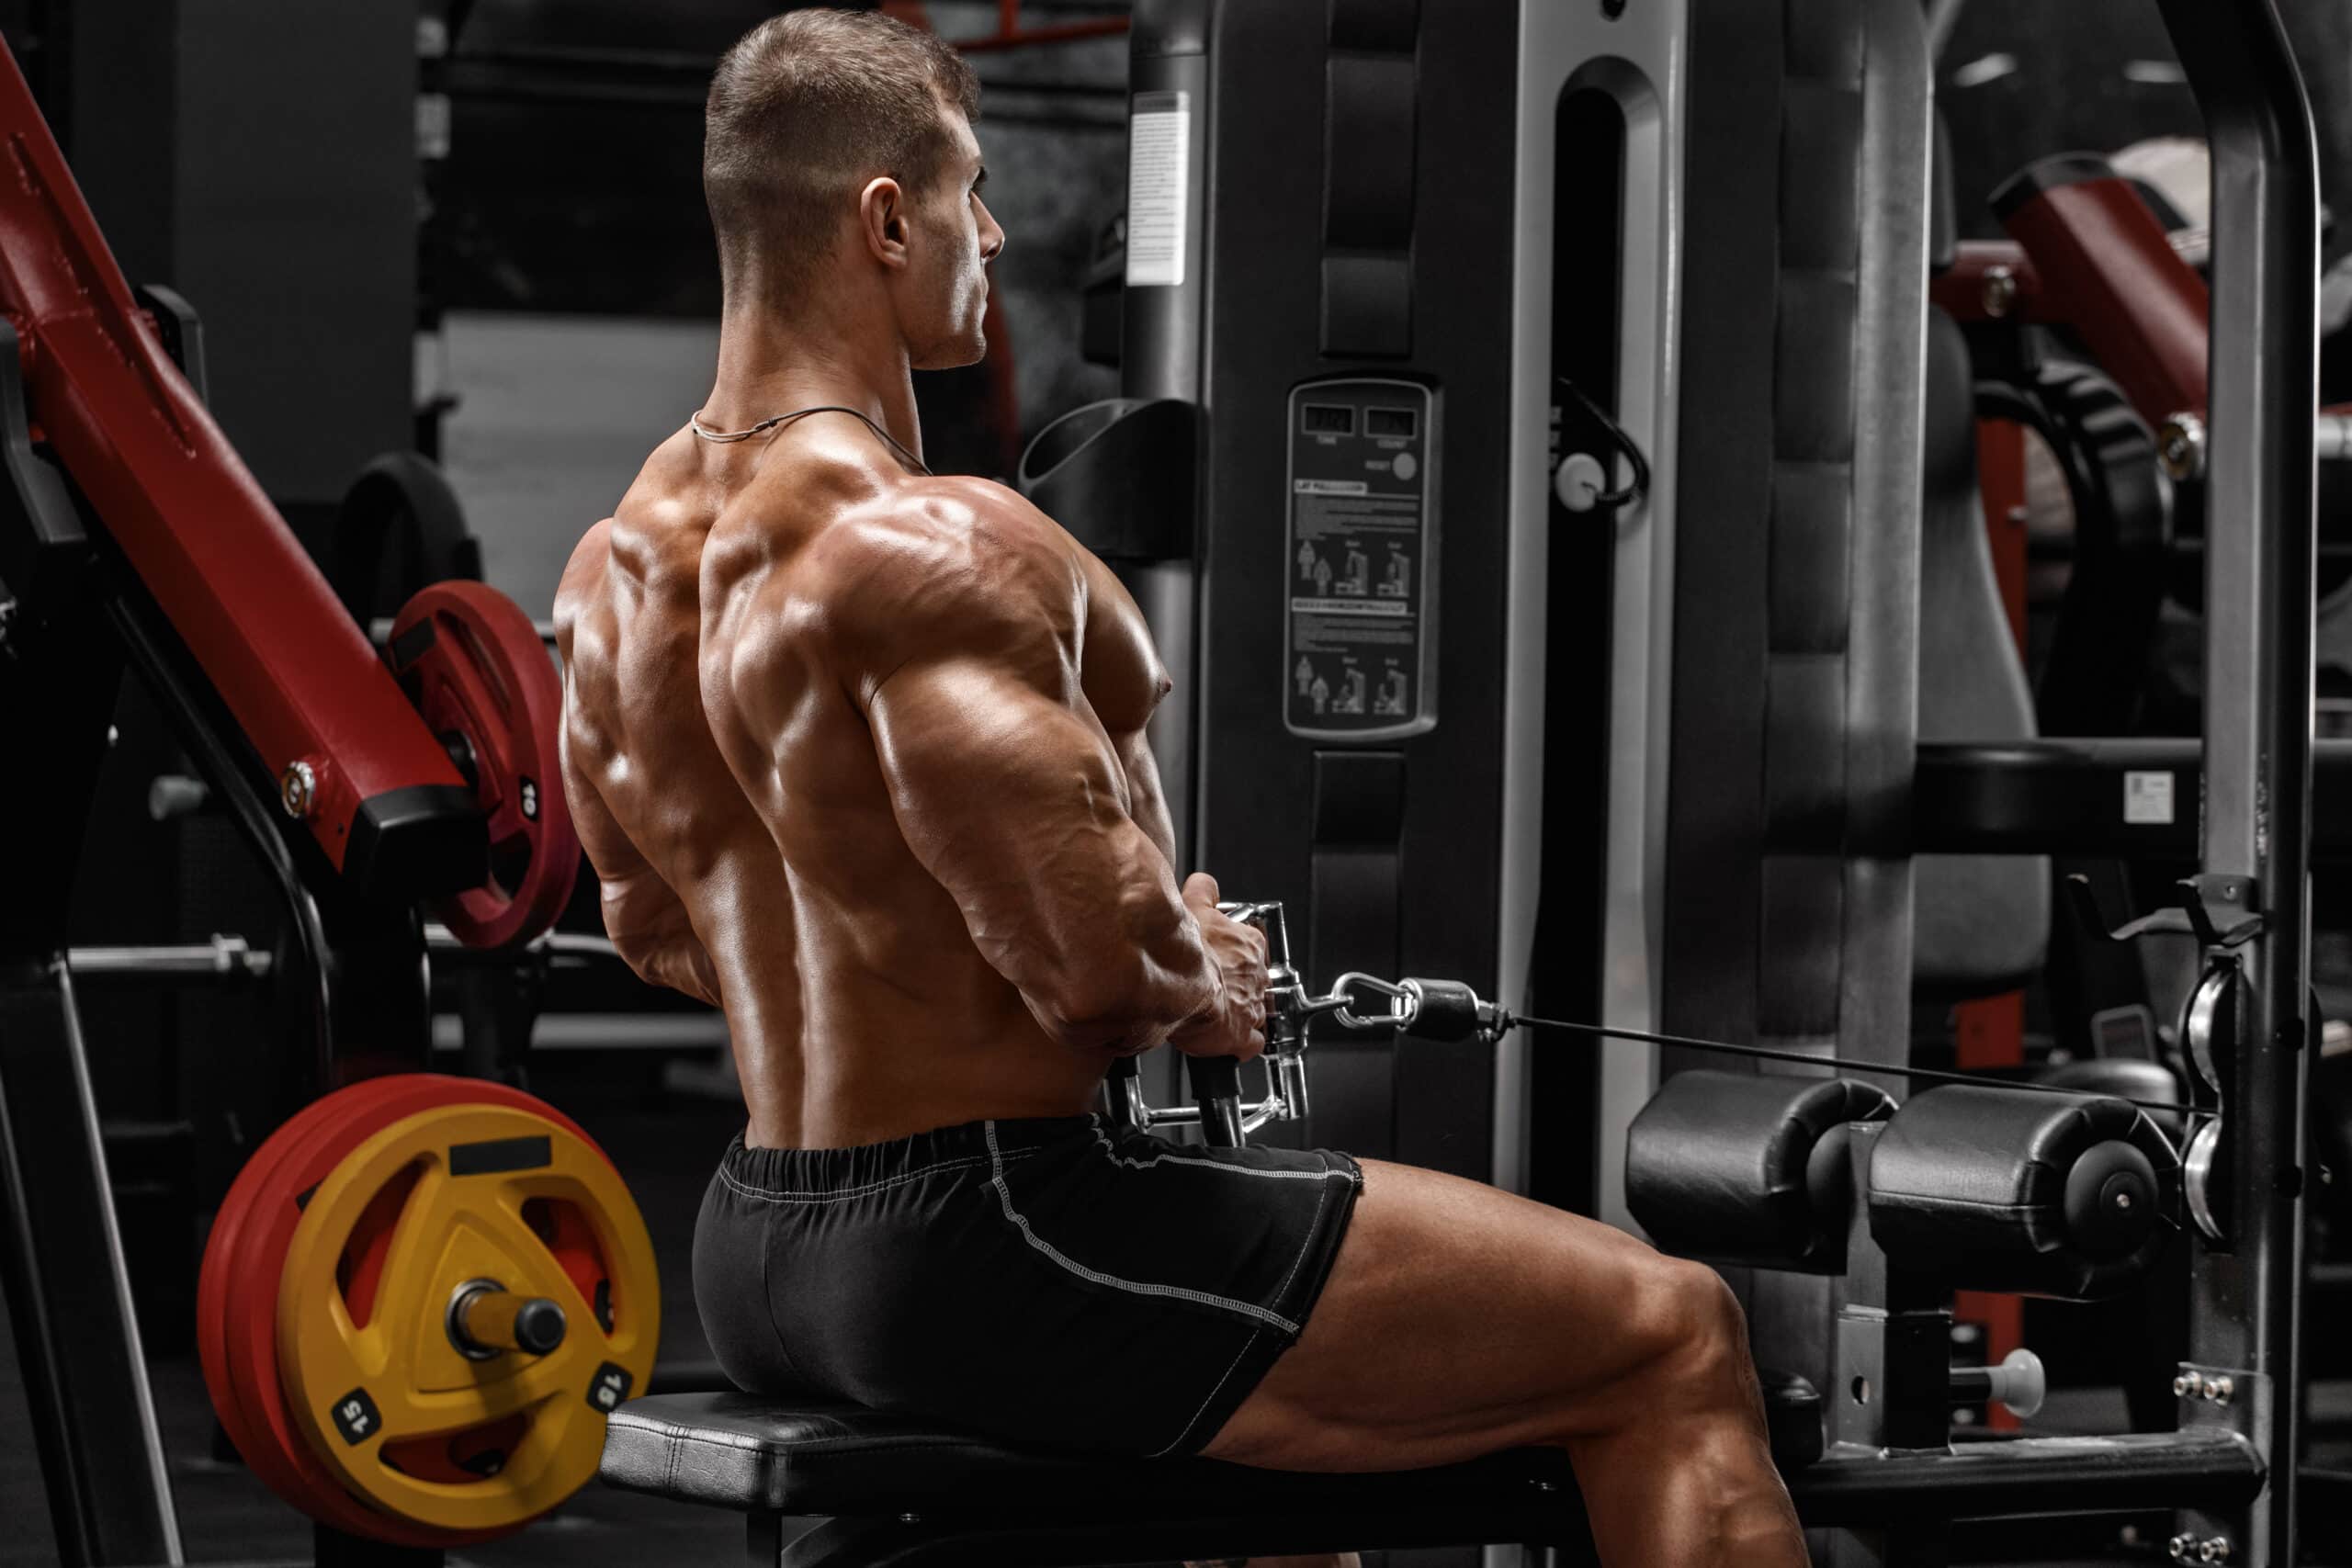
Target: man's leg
{"x": 1460, "y": 1319}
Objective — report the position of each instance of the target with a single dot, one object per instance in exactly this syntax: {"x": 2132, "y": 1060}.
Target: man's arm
{"x": 961, "y": 645}
{"x": 643, "y": 915}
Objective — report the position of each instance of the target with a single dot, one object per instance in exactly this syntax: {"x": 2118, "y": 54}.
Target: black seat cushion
{"x": 753, "y": 1453}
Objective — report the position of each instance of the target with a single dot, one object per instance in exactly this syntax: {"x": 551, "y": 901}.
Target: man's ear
{"x": 882, "y": 219}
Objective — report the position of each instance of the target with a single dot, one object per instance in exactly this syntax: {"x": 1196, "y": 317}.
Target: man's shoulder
{"x": 944, "y": 565}
{"x": 947, "y": 543}
{"x": 951, "y": 520}
{"x": 583, "y": 580}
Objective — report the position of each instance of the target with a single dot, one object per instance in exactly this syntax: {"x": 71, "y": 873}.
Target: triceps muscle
{"x": 1010, "y": 794}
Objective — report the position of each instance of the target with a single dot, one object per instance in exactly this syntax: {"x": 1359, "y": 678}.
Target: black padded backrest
{"x": 1981, "y": 923}
{"x": 1788, "y": 890}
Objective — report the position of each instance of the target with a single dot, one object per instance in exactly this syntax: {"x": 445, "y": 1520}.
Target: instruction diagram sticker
{"x": 1159, "y": 168}
{"x": 2147, "y": 798}
{"x": 1359, "y": 661}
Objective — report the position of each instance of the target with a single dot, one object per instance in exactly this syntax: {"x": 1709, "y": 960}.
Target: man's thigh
{"x": 1459, "y": 1319}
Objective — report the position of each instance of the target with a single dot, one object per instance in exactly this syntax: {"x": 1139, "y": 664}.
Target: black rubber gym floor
{"x": 666, "y": 1145}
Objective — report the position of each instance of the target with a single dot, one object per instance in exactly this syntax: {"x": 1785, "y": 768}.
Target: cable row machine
{"x": 1560, "y": 618}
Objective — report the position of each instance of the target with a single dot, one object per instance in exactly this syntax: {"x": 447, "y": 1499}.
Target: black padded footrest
{"x": 748, "y": 1452}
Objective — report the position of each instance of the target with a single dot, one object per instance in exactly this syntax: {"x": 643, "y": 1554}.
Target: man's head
{"x": 842, "y": 176}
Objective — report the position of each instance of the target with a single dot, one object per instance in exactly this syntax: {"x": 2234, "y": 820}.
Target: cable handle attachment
{"x": 1289, "y": 1007}
{"x": 1226, "y": 1121}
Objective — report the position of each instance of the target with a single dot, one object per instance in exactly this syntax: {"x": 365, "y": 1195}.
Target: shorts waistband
{"x": 817, "y": 1172}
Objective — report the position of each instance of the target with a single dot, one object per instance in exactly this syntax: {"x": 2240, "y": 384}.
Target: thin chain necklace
{"x": 722, "y": 437}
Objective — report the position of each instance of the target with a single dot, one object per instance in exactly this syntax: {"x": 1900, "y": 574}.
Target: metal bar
{"x": 302, "y": 1048}
{"x": 2182, "y": 442}
{"x": 1164, "y": 329}
{"x": 926, "y": 1540}
{"x": 1990, "y": 1479}
{"x": 69, "y": 1289}
{"x": 2203, "y": 1467}
{"x": 2263, "y": 385}
{"x": 605, "y": 1032}
{"x": 2134, "y": 798}
{"x": 226, "y": 959}
{"x": 565, "y": 949}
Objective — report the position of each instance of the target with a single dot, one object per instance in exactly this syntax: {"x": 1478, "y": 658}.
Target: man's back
{"x": 725, "y": 635}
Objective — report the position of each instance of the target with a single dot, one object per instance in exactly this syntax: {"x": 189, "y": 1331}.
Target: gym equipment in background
{"x": 472, "y": 663}
{"x": 133, "y": 539}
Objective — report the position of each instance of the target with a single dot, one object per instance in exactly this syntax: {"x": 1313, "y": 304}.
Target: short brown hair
{"x": 804, "y": 110}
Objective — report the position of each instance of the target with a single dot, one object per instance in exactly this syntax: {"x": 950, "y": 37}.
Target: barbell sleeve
{"x": 488, "y": 1320}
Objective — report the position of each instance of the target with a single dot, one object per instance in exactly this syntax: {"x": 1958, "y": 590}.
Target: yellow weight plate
{"x": 450, "y": 1197}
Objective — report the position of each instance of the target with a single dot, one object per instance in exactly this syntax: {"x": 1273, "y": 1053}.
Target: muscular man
{"x": 858, "y": 754}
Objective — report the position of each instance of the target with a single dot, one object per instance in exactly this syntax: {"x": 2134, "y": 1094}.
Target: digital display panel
{"x": 1327, "y": 419}
{"x": 1390, "y": 422}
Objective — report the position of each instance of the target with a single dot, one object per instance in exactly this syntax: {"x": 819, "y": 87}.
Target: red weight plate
{"x": 212, "y": 1283}
{"x": 475, "y": 667}
{"x": 285, "y": 1461}
{"x": 220, "y": 1264}
{"x": 288, "y": 1464}
{"x": 262, "y": 1426}
{"x": 274, "y": 1446}
{"x": 225, "y": 1265}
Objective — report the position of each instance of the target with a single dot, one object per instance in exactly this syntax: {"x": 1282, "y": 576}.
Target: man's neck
{"x": 767, "y": 367}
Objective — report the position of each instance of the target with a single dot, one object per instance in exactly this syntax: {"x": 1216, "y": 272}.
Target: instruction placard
{"x": 2147, "y": 798}
{"x": 1358, "y": 660}
{"x": 1159, "y": 167}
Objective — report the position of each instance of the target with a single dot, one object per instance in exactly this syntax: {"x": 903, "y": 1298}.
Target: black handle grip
{"x": 1121, "y": 1105}
{"x": 1216, "y": 1087}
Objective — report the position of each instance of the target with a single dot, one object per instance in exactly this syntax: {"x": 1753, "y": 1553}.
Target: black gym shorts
{"x": 1047, "y": 1283}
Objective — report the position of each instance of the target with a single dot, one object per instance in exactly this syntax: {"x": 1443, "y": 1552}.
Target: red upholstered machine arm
{"x": 2085, "y": 252}
{"x": 387, "y": 804}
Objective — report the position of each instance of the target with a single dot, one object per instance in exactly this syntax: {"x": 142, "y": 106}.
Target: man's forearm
{"x": 1123, "y": 969}
{"x": 684, "y": 967}
{"x": 655, "y": 936}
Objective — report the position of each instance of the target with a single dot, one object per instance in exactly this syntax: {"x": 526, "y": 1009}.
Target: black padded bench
{"x": 896, "y": 1492}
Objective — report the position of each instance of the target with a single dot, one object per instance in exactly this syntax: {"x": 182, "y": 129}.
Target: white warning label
{"x": 1159, "y": 147}
{"x": 2147, "y": 798}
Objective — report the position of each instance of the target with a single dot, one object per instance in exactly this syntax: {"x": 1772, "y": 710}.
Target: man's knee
{"x": 1696, "y": 1335}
